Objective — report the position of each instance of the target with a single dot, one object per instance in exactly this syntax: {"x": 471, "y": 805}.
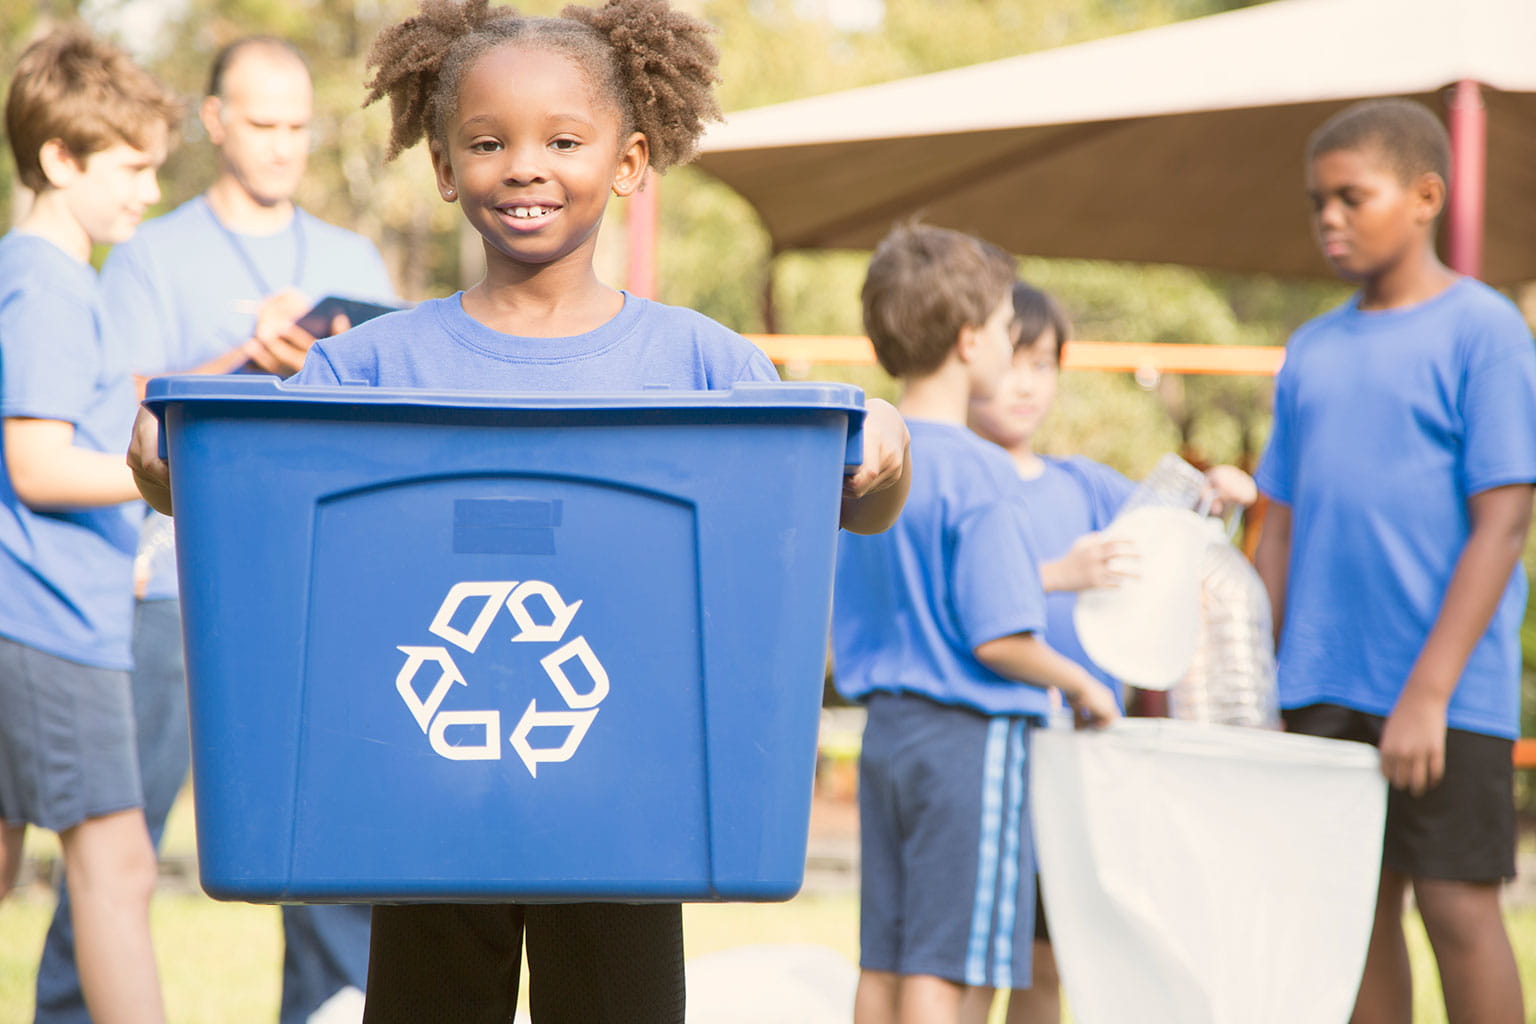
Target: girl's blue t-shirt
{"x": 1386, "y": 423}
{"x": 1070, "y": 498}
{"x": 66, "y": 575}
{"x": 957, "y": 569}
{"x": 437, "y": 345}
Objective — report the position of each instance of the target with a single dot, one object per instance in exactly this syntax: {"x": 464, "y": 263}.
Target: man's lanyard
{"x": 300, "y": 250}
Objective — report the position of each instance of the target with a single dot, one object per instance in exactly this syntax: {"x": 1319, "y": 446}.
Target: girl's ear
{"x": 58, "y": 164}
{"x": 442, "y": 169}
{"x": 634, "y": 159}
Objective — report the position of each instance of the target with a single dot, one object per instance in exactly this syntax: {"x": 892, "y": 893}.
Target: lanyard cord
{"x": 300, "y": 250}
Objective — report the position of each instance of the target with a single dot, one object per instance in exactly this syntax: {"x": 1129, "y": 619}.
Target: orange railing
{"x": 1163, "y": 357}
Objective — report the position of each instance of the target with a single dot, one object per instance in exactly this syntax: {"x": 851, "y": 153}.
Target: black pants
{"x": 588, "y": 963}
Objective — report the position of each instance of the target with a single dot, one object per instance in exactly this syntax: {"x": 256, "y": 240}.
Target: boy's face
{"x": 531, "y": 154}
{"x": 115, "y": 187}
{"x": 1367, "y": 219}
{"x": 988, "y": 347}
{"x": 1013, "y": 413}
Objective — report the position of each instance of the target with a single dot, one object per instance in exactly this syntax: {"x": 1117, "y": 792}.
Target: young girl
{"x": 531, "y": 123}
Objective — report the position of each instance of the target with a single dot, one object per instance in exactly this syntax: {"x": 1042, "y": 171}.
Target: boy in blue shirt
{"x": 1400, "y": 468}
{"x": 89, "y": 129}
{"x": 1069, "y": 500}
{"x": 935, "y": 630}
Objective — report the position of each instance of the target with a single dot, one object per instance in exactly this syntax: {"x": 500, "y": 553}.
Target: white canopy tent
{"x": 1181, "y": 144}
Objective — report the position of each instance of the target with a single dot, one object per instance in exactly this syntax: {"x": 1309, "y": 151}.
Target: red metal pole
{"x": 644, "y": 214}
{"x": 1469, "y": 160}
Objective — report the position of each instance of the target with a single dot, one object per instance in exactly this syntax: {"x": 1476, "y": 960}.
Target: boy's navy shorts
{"x": 1462, "y": 830}
{"x": 67, "y": 740}
{"x": 947, "y": 852}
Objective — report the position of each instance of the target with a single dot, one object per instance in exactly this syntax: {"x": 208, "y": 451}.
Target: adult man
{"x": 211, "y": 286}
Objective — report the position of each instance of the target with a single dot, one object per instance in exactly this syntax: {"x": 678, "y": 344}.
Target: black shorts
{"x": 588, "y": 963}
{"x": 1462, "y": 830}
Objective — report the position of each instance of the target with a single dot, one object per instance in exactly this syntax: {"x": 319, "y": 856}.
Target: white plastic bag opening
{"x": 1205, "y": 874}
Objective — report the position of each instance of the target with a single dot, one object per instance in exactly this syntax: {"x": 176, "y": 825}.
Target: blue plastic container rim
{"x": 746, "y": 396}
{"x": 245, "y": 387}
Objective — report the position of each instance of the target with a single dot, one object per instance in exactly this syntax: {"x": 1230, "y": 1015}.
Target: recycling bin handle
{"x": 853, "y": 455}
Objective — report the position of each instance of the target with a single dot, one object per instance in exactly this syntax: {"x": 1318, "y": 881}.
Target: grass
{"x": 220, "y": 962}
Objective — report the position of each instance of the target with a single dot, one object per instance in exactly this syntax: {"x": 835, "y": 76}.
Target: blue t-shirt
{"x": 185, "y": 289}
{"x": 1385, "y": 424}
{"x": 1071, "y": 497}
{"x": 437, "y": 345}
{"x": 957, "y": 570}
{"x": 65, "y": 575}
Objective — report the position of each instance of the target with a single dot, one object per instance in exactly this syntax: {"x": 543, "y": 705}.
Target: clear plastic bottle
{"x": 1231, "y": 680}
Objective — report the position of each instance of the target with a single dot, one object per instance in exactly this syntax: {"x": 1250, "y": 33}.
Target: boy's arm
{"x": 1413, "y": 739}
{"x": 874, "y": 495}
{"x": 48, "y": 471}
{"x": 1028, "y": 658}
{"x": 1272, "y": 559}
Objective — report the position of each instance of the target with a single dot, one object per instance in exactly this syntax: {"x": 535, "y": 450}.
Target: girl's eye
{"x": 565, "y": 145}
{"x": 484, "y": 146}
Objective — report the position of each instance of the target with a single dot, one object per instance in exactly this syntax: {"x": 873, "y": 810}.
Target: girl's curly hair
{"x": 655, "y": 64}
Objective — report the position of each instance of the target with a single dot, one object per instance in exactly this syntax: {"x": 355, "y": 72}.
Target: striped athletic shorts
{"x": 948, "y": 871}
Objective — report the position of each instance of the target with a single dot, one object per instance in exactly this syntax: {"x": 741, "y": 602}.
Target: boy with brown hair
{"x": 1400, "y": 469}
{"x": 88, "y": 129}
{"x": 936, "y": 631}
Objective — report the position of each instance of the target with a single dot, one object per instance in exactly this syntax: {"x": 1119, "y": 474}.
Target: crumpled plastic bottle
{"x": 1231, "y": 680}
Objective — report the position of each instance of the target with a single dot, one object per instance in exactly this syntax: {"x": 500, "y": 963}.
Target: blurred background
{"x": 713, "y": 252}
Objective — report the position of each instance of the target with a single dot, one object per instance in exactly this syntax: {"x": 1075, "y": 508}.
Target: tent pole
{"x": 1469, "y": 150}
{"x": 643, "y": 217}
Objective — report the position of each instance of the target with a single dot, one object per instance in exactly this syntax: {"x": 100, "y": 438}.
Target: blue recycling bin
{"x": 486, "y": 647}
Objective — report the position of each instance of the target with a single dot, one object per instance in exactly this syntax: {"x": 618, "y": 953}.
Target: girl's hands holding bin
{"x": 151, "y": 473}
{"x": 874, "y": 494}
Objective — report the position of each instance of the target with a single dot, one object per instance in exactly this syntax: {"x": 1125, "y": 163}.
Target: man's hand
{"x": 279, "y": 344}
{"x": 151, "y": 473}
{"x": 1413, "y": 743}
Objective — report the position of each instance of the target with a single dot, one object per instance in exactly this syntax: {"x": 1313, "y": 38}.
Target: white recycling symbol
{"x": 581, "y": 695}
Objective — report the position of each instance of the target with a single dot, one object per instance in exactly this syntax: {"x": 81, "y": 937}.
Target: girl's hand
{"x": 1227, "y": 487}
{"x": 873, "y": 495}
{"x": 885, "y": 450}
{"x": 151, "y": 473}
{"x": 1094, "y": 560}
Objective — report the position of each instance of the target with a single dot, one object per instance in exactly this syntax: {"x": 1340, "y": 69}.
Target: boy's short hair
{"x": 86, "y": 93}
{"x": 1407, "y": 135}
{"x": 923, "y": 285}
{"x": 1035, "y": 312}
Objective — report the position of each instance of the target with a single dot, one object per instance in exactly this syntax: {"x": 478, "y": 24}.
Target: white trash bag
{"x": 1207, "y": 874}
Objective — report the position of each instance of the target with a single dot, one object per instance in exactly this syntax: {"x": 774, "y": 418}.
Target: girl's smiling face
{"x": 531, "y": 153}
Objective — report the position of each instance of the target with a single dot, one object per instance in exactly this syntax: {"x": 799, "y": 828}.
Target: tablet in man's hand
{"x": 318, "y": 320}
